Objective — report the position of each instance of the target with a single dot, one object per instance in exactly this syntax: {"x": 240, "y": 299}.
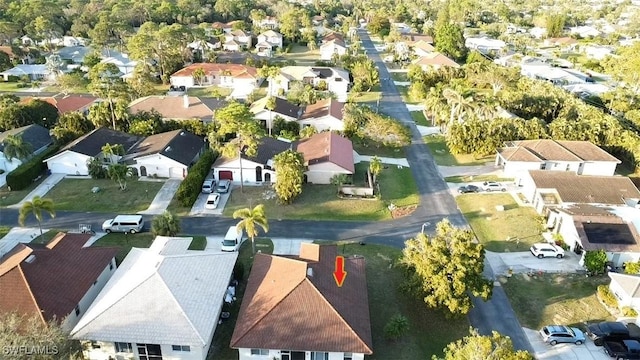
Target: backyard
{"x": 301, "y": 55}
{"x": 513, "y": 229}
{"x": 440, "y": 151}
{"x": 76, "y": 195}
{"x": 568, "y": 299}
{"x": 320, "y": 202}
{"x": 210, "y": 91}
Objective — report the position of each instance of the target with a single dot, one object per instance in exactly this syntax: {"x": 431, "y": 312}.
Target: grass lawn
{"x": 419, "y": 118}
{"x": 365, "y": 97}
{"x": 13, "y": 197}
{"x": 398, "y": 76}
{"x": 301, "y": 55}
{"x": 220, "y": 346}
{"x": 76, "y": 195}
{"x": 365, "y": 146}
{"x": 471, "y": 178}
{"x": 9, "y": 86}
{"x": 177, "y": 209}
{"x": 125, "y": 242}
{"x": 198, "y": 243}
{"x": 4, "y": 230}
{"x": 320, "y": 202}
{"x": 404, "y": 91}
{"x": 493, "y": 227}
{"x": 438, "y": 146}
{"x": 222, "y": 92}
{"x": 567, "y": 299}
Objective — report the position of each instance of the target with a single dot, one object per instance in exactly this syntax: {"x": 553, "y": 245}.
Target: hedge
{"x": 191, "y": 186}
{"x": 22, "y": 176}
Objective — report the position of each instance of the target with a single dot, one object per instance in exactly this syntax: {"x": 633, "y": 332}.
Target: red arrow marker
{"x": 339, "y": 274}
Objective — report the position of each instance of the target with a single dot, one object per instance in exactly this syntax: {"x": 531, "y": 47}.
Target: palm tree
{"x": 165, "y": 224}
{"x": 270, "y": 105}
{"x": 16, "y": 148}
{"x": 251, "y": 218}
{"x": 375, "y": 167}
{"x": 459, "y": 104}
{"x": 36, "y": 206}
{"x": 198, "y": 75}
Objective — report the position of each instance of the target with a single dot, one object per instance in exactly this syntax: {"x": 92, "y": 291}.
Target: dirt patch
{"x": 403, "y": 211}
{"x": 385, "y": 258}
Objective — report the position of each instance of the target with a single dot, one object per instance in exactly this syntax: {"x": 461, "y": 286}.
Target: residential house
{"x": 554, "y": 75}
{"x": 597, "y": 52}
{"x": 324, "y": 115}
{"x": 58, "y": 280}
{"x": 183, "y": 107}
{"x": 332, "y": 36}
{"x": 24, "y": 59}
{"x": 237, "y": 40}
{"x": 538, "y": 32}
{"x": 317, "y": 20}
{"x": 36, "y": 72}
{"x": 269, "y": 22}
{"x": 589, "y": 227}
{"x": 334, "y": 80}
{"x": 167, "y": 155}
{"x": 556, "y": 189}
{"x": 484, "y": 44}
{"x": 35, "y": 135}
{"x": 224, "y": 28}
{"x": 434, "y": 61}
{"x": 242, "y": 79}
{"x": 264, "y": 49}
{"x": 422, "y": 48}
{"x": 255, "y": 169}
{"x": 282, "y": 109}
{"x": 231, "y": 45}
{"x": 326, "y": 154}
{"x": 293, "y": 309}
{"x": 330, "y": 49}
{"x": 582, "y": 157}
{"x": 73, "y": 54}
{"x": 69, "y": 41}
{"x": 163, "y": 302}
{"x": 565, "y": 43}
{"x": 121, "y": 61}
{"x": 67, "y": 103}
{"x": 410, "y": 38}
{"x": 584, "y": 31}
{"x": 271, "y": 37}
{"x": 626, "y": 288}
{"x": 211, "y": 44}
{"x": 73, "y": 158}
{"x": 402, "y": 28}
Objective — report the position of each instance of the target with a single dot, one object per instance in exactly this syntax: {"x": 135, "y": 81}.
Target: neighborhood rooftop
{"x": 178, "y": 145}
{"x": 35, "y": 135}
{"x": 91, "y": 144}
{"x": 554, "y": 150}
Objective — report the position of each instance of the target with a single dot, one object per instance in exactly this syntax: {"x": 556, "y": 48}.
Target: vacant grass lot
{"x": 419, "y": 118}
{"x": 211, "y": 91}
{"x": 76, "y": 195}
{"x": 566, "y": 299}
{"x": 320, "y": 202}
{"x": 471, "y": 178}
{"x": 493, "y": 227}
{"x": 301, "y": 55}
{"x": 443, "y": 157}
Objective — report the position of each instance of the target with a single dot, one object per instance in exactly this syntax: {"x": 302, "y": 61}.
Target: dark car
{"x": 607, "y": 330}
{"x": 468, "y": 189}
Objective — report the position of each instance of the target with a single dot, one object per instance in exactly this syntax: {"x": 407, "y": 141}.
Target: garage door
{"x": 175, "y": 172}
{"x": 225, "y": 175}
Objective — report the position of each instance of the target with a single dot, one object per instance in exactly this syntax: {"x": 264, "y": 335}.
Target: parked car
{"x": 612, "y": 330}
{"x": 554, "y": 334}
{"x": 212, "y": 201}
{"x": 208, "y": 185}
{"x": 622, "y": 349}
{"x": 493, "y": 186}
{"x": 542, "y": 250}
{"x": 223, "y": 186}
{"x": 468, "y": 189}
{"x": 124, "y": 223}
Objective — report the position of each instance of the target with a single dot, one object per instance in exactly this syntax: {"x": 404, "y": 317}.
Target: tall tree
{"x": 450, "y": 40}
{"x": 446, "y": 268}
{"x": 458, "y": 103}
{"x": 555, "y": 24}
{"x": 270, "y": 73}
{"x": 251, "y": 220}
{"x": 71, "y": 126}
{"x": 375, "y": 167}
{"x": 484, "y": 347}
{"x": 626, "y": 68}
{"x": 289, "y": 166}
{"x": 365, "y": 75}
{"x": 165, "y": 224}
{"x": 16, "y": 148}
{"x": 120, "y": 173}
{"x": 105, "y": 82}
{"x": 36, "y": 206}
{"x": 270, "y": 105}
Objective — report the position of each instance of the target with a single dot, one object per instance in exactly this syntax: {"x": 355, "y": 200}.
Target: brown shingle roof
{"x": 287, "y": 306}
{"x": 173, "y": 107}
{"x": 572, "y": 188}
{"x": 327, "y": 147}
{"x": 546, "y": 149}
{"x": 323, "y": 108}
{"x": 235, "y": 70}
{"x": 54, "y": 281}
{"x": 435, "y": 59}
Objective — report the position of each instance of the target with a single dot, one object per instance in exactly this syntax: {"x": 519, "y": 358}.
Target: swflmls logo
{"x": 30, "y": 350}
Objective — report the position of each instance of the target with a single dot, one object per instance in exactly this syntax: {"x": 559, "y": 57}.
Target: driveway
{"x": 163, "y": 198}
{"x": 524, "y": 261}
{"x": 198, "y": 207}
{"x": 544, "y": 351}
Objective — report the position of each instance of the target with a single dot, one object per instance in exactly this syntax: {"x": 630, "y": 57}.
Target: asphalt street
{"x": 436, "y": 203}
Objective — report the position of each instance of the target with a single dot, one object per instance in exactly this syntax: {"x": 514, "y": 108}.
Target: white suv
{"x": 493, "y": 186}
{"x": 542, "y": 250}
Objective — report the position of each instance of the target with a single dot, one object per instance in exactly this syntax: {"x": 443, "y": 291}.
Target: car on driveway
{"x": 223, "y": 186}
{"x": 493, "y": 186}
{"x": 555, "y": 334}
{"x": 612, "y": 330}
{"x": 212, "y": 201}
{"x": 468, "y": 189}
{"x": 542, "y": 250}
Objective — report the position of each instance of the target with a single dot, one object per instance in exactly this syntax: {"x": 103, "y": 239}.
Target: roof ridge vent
{"x": 30, "y": 259}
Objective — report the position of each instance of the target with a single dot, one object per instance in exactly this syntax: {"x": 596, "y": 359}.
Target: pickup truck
{"x": 609, "y": 330}
{"x": 622, "y": 349}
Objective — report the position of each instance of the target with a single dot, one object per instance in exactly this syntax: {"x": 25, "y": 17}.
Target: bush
{"x": 595, "y": 261}
{"x": 629, "y": 312}
{"x": 397, "y": 326}
{"x": 606, "y": 296}
{"x": 25, "y": 174}
{"x": 191, "y": 186}
{"x": 238, "y": 271}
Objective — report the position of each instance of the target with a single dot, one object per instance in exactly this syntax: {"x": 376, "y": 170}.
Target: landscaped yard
{"x": 440, "y": 151}
{"x": 76, "y": 195}
{"x": 419, "y": 118}
{"x": 9, "y": 86}
{"x": 365, "y": 146}
{"x": 198, "y": 243}
{"x": 365, "y": 96}
{"x": 13, "y": 197}
{"x": 211, "y": 91}
{"x": 522, "y": 225}
{"x": 320, "y": 202}
{"x": 399, "y": 76}
{"x": 567, "y": 299}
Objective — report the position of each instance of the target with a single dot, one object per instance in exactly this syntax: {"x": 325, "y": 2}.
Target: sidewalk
{"x": 287, "y": 246}
{"x": 41, "y": 190}
{"x": 18, "y": 235}
{"x": 163, "y": 197}
{"x": 385, "y": 160}
{"x": 428, "y": 130}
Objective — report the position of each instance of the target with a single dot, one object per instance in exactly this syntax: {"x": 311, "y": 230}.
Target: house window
{"x": 77, "y": 310}
{"x": 95, "y": 345}
{"x": 122, "y": 347}
{"x": 318, "y": 355}
{"x": 185, "y": 348}
{"x": 111, "y": 265}
{"x": 259, "y": 352}
{"x": 348, "y": 356}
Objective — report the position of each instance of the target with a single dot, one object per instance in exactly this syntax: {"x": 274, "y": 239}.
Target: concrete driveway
{"x": 198, "y": 207}
{"x": 510, "y": 186}
{"x": 544, "y": 351}
{"x": 524, "y": 261}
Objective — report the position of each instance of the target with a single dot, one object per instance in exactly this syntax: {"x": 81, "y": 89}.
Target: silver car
{"x": 554, "y": 334}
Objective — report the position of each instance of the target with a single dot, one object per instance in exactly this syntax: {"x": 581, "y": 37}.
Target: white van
{"x": 124, "y": 223}
{"x": 232, "y": 240}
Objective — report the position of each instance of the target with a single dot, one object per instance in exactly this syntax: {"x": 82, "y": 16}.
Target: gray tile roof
{"x": 35, "y": 135}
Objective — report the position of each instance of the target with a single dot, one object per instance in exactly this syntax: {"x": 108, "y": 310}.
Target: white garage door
{"x": 176, "y": 173}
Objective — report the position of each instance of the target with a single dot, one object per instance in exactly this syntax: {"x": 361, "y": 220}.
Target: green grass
{"x": 471, "y": 178}
{"x": 220, "y": 345}
{"x": 125, "y": 242}
{"x": 209, "y": 91}
{"x": 177, "y": 209}
{"x": 13, "y": 197}
{"x": 567, "y": 299}
{"x": 440, "y": 151}
{"x": 399, "y": 76}
{"x": 364, "y": 146}
{"x": 198, "y": 243}
{"x": 365, "y": 96}
{"x": 320, "y": 202}
{"x": 4, "y": 230}
{"x": 493, "y": 227}
{"x": 301, "y": 55}
{"x": 76, "y": 195}
{"x": 10, "y": 86}
{"x": 46, "y": 237}
{"x": 404, "y": 92}
{"x": 419, "y": 118}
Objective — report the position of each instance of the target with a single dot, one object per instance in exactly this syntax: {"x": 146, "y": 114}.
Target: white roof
{"x": 24, "y": 69}
{"x": 165, "y": 294}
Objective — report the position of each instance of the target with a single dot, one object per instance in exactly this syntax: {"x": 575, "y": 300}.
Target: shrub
{"x": 238, "y": 271}
{"x": 22, "y": 176}
{"x": 96, "y": 169}
{"x": 397, "y": 326}
{"x": 595, "y": 261}
{"x": 606, "y": 296}
{"x": 629, "y": 312}
{"x": 191, "y": 186}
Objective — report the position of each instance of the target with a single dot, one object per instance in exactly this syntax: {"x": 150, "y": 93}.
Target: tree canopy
{"x": 290, "y": 169}
{"x": 487, "y": 347}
